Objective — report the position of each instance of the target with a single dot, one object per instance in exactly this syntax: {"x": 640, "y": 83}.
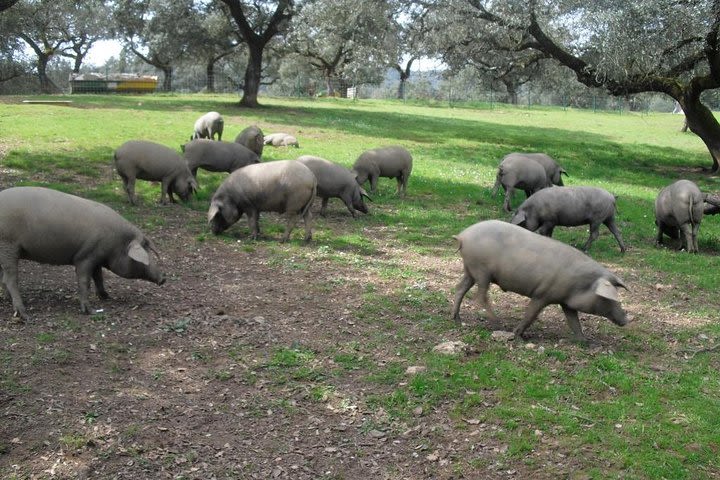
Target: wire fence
{"x": 421, "y": 91}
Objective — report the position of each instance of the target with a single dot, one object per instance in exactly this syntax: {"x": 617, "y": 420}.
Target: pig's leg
{"x": 323, "y": 207}
{"x": 348, "y": 204}
{"x": 508, "y": 195}
{"x": 546, "y": 229}
{"x": 84, "y": 273}
{"x": 594, "y": 234}
{"x": 406, "y": 178}
{"x": 659, "y": 236}
{"x": 695, "y": 231}
{"x": 97, "y": 277}
{"x": 129, "y": 184}
{"x": 610, "y": 224}
{"x": 307, "y": 221}
{"x": 687, "y": 240}
{"x": 531, "y": 313}
{"x": 164, "y": 187}
{"x": 373, "y": 182}
{"x": 253, "y": 221}
{"x": 291, "y": 221}
{"x": 10, "y": 274}
{"x": 462, "y": 288}
{"x": 573, "y": 322}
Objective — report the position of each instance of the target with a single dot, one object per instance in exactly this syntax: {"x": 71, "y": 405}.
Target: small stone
{"x": 530, "y": 346}
{"x": 541, "y": 350}
{"x": 376, "y": 433}
{"x": 415, "y": 369}
{"x": 417, "y": 411}
{"x": 450, "y": 348}
{"x": 502, "y": 336}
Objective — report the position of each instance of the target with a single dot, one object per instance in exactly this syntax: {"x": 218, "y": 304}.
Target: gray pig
{"x": 518, "y": 172}
{"x": 284, "y": 186}
{"x": 336, "y": 181}
{"x": 679, "y": 208}
{"x": 281, "y": 140}
{"x": 392, "y": 162}
{"x": 57, "y": 228}
{"x": 545, "y": 270}
{"x": 553, "y": 170}
{"x": 217, "y": 156}
{"x": 158, "y": 163}
{"x": 712, "y": 204}
{"x": 569, "y": 207}
{"x": 252, "y": 138}
{"x": 208, "y": 125}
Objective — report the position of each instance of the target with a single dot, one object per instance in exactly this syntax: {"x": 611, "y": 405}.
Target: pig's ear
{"x": 363, "y": 193}
{"x": 605, "y": 289}
{"x": 518, "y": 218}
{"x": 138, "y": 253}
{"x": 213, "y": 212}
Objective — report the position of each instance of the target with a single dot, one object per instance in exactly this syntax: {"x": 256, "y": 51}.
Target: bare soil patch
{"x": 184, "y": 381}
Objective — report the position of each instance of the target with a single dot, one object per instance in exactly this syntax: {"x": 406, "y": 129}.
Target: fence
{"x": 420, "y": 91}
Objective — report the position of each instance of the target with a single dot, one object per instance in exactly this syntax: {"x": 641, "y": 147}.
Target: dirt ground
{"x": 178, "y": 381}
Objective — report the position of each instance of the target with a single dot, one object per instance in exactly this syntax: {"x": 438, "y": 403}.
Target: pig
{"x": 553, "y": 170}
{"x": 284, "y": 186}
{"x": 541, "y": 268}
{"x": 518, "y": 172}
{"x": 217, "y": 156}
{"x": 57, "y": 228}
{"x": 712, "y": 204}
{"x": 252, "y": 138}
{"x": 336, "y": 181}
{"x": 208, "y": 125}
{"x": 392, "y": 162}
{"x": 569, "y": 207}
{"x": 281, "y": 140}
{"x": 679, "y": 208}
{"x": 152, "y": 161}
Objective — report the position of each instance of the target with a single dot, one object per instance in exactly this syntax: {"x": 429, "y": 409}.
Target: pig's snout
{"x": 161, "y": 280}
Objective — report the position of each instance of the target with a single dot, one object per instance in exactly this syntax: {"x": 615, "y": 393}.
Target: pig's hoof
{"x": 103, "y": 295}
{"x": 84, "y": 309}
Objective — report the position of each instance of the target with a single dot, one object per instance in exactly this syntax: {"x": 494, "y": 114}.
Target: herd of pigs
{"x": 52, "y": 227}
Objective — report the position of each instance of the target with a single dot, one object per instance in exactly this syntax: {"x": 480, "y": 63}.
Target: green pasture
{"x": 640, "y": 409}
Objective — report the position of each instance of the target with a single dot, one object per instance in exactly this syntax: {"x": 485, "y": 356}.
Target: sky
{"x": 102, "y": 51}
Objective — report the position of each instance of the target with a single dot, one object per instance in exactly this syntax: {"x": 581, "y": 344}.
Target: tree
{"x": 216, "y": 39}
{"x": 85, "y": 24}
{"x": 159, "y": 32}
{"x": 623, "y": 46}
{"x": 345, "y": 40}
{"x": 258, "y": 23}
{"x": 5, "y": 4}
{"x": 411, "y": 31}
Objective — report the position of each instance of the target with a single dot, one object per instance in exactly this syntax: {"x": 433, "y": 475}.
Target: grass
{"x": 642, "y": 410}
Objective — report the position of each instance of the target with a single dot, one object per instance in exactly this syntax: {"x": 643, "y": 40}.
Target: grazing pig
{"x": 281, "y": 140}
{"x": 57, "y": 228}
{"x": 392, "y": 162}
{"x": 679, "y": 208}
{"x": 336, "y": 181}
{"x": 284, "y": 186}
{"x": 712, "y": 204}
{"x": 553, "y": 170}
{"x": 545, "y": 270}
{"x": 217, "y": 156}
{"x": 158, "y": 163}
{"x": 208, "y": 125}
{"x": 518, "y": 172}
{"x": 252, "y": 138}
{"x": 569, "y": 207}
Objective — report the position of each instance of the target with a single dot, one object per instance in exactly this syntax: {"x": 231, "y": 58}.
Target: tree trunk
{"x": 46, "y": 85}
{"x": 167, "y": 78}
{"x": 253, "y": 74}
{"x": 329, "y": 85}
{"x": 703, "y": 123}
{"x": 401, "y": 89}
{"x": 210, "y": 79}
